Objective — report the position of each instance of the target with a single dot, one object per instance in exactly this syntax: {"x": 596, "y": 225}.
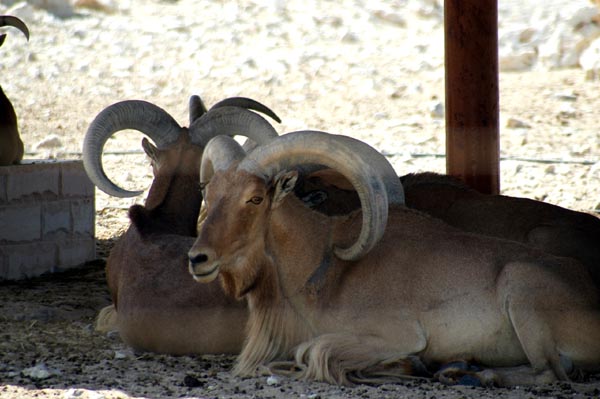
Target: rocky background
{"x": 369, "y": 69}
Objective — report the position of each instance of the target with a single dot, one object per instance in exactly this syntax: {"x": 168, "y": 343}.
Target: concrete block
{"x": 74, "y": 181}
{"x": 83, "y": 216}
{"x": 56, "y": 219}
{"x": 73, "y": 253}
{"x": 47, "y": 218}
{"x": 3, "y": 182}
{"x": 20, "y": 223}
{"x": 27, "y": 260}
{"x": 30, "y": 178}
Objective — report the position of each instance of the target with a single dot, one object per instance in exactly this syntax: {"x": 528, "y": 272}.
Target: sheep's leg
{"x": 556, "y": 320}
{"x": 465, "y": 373}
{"x": 346, "y": 359}
{"x": 106, "y": 321}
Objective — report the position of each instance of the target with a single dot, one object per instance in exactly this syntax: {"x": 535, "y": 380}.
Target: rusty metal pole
{"x": 472, "y": 97}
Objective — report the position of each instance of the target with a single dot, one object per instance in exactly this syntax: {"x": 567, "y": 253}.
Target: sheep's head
{"x": 9, "y": 20}
{"x": 231, "y": 116}
{"x": 243, "y": 190}
{"x": 11, "y": 145}
{"x": 174, "y": 199}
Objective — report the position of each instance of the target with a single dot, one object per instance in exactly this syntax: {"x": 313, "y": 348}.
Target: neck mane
{"x": 275, "y": 325}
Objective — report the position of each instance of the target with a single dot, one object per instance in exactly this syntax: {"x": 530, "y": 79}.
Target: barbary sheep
{"x": 554, "y": 229}
{"x": 156, "y": 304}
{"x": 355, "y": 297}
{"x": 11, "y": 145}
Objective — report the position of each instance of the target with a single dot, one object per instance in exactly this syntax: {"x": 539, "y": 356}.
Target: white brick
{"x": 74, "y": 180}
{"x": 20, "y": 223}
{"x": 83, "y": 217}
{"x": 3, "y": 182}
{"x": 56, "y": 219}
{"x": 75, "y": 252}
{"x": 27, "y": 260}
{"x": 32, "y": 178}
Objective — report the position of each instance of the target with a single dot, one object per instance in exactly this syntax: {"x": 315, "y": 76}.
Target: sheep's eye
{"x": 203, "y": 185}
{"x": 255, "y": 200}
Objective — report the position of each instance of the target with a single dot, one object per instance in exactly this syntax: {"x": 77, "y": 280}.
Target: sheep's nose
{"x": 198, "y": 258}
{"x": 203, "y": 266}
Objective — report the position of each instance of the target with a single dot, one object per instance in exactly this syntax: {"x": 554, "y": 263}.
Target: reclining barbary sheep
{"x": 156, "y": 304}
{"x": 11, "y": 145}
{"x": 554, "y": 229}
{"x": 353, "y": 298}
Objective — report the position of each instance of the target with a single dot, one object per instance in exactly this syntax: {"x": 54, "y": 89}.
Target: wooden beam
{"x": 472, "y": 98}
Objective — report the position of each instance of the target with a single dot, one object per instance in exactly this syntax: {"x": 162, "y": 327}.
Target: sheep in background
{"x": 156, "y": 304}
{"x": 11, "y": 145}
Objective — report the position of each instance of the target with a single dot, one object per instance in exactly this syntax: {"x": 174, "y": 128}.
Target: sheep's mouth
{"x": 205, "y": 277}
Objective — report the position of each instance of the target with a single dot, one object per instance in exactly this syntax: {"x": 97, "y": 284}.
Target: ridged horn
{"x": 9, "y": 20}
{"x": 139, "y": 115}
{"x": 367, "y": 169}
{"x": 197, "y": 108}
{"x": 231, "y": 121}
{"x": 247, "y": 103}
{"x": 218, "y": 155}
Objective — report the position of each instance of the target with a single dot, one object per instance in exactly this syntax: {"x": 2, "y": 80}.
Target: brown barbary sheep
{"x": 11, "y": 145}
{"x": 156, "y": 304}
{"x": 353, "y": 298}
{"x": 554, "y": 229}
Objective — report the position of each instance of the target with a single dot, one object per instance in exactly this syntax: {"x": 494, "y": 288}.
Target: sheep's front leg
{"x": 466, "y": 373}
{"x": 348, "y": 359}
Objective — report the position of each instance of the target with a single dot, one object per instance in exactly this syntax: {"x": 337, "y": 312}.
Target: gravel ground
{"x": 372, "y": 70}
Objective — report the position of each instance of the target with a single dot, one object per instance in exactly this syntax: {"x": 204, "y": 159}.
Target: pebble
{"x": 272, "y": 380}
{"x": 436, "y": 110}
{"x": 119, "y": 355}
{"x": 77, "y": 393}
{"x": 514, "y": 123}
{"x": 52, "y": 141}
{"x": 39, "y": 372}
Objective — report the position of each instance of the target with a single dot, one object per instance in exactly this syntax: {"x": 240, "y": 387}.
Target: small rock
{"x": 39, "y": 372}
{"x": 97, "y": 5}
{"x": 272, "y": 380}
{"x": 590, "y": 60}
{"x": 60, "y": 8}
{"x": 517, "y": 60}
{"x": 52, "y": 141}
{"x": 119, "y": 355}
{"x": 389, "y": 16}
{"x": 436, "y": 110}
{"x": 513, "y": 123}
{"x": 75, "y": 393}
{"x": 566, "y": 96}
{"x": 192, "y": 382}
{"x": 567, "y": 111}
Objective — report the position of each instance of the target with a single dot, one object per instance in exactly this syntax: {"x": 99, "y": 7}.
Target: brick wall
{"x": 46, "y": 218}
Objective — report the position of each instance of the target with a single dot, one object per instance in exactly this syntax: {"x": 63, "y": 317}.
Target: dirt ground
{"x": 373, "y": 71}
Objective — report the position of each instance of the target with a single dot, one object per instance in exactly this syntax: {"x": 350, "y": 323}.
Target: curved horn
{"x": 218, "y": 155}
{"x": 9, "y": 20}
{"x": 139, "y": 115}
{"x": 231, "y": 121}
{"x": 366, "y": 168}
{"x": 247, "y": 103}
{"x": 197, "y": 108}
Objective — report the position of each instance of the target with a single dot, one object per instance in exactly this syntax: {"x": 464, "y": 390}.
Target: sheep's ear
{"x": 284, "y": 184}
{"x": 149, "y": 149}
